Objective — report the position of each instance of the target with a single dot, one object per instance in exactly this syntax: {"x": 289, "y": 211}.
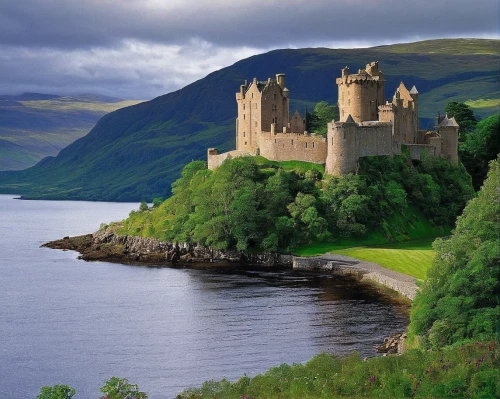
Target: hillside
{"x": 136, "y": 153}
{"x": 34, "y": 125}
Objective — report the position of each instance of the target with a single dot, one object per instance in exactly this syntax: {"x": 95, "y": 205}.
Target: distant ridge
{"x": 135, "y": 153}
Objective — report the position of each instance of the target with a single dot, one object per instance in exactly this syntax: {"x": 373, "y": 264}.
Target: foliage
{"x": 119, "y": 388}
{"x": 479, "y": 148}
{"x": 143, "y": 207}
{"x": 464, "y": 116}
{"x": 249, "y": 204}
{"x": 316, "y": 122}
{"x": 56, "y": 392}
{"x": 460, "y": 300}
{"x": 470, "y": 371}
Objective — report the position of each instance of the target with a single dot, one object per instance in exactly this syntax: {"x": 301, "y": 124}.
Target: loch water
{"x": 67, "y": 321}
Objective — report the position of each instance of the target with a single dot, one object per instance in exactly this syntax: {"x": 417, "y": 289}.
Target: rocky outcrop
{"x": 109, "y": 246}
{"x": 396, "y": 343}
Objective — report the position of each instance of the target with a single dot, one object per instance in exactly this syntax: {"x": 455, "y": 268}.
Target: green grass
{"x": 470, "y": 371}
{"x": 298, "y": 166}
{"x": 484, "y": 103}
{"x": 414, "y": 262}
{"x": 403, "y": 244}
{"x": 68, "y": 105}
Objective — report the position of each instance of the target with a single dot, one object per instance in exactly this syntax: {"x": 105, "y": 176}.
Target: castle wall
{"x": 293, "y": 146}
{"x": 374, "y": 139}
{"x": 214, "y": 159}
{"x": 417, "y": 150}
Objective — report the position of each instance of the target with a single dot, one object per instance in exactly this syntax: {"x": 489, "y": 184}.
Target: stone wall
{"x": 293, "y": 146}
{"x": 214, "y": 159}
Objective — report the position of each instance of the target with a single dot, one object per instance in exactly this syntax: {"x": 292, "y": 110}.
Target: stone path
{"x": 402, "y": 283}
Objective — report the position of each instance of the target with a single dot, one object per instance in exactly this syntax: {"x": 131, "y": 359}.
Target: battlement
{"x": 367, "y": 126}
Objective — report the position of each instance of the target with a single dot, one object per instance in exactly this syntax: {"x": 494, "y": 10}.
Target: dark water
{"x": 65, "y": 321}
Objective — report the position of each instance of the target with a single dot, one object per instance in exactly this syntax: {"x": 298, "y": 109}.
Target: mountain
{"x": 135, "y": 153}
{"x": 36, "y": 125}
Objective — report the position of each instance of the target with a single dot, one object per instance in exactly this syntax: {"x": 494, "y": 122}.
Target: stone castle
{"x": 367, "y": 125}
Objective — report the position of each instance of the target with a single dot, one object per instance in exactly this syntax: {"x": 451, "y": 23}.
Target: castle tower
{"x": 448, "y": 130}
{"x": 361, "y": 94}
{"x": 342, "y": 155}
{"x": 405, "y": 104}
{"x": 260, "y": 104}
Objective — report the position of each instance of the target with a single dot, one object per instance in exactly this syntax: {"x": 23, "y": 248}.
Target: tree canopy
{"x": 464, "y": 116}
{"x": 460, "y": 301}
{"x": 479, "y": 147}
{"x": 250, "y": 206}
{"x": 316, "y": 121}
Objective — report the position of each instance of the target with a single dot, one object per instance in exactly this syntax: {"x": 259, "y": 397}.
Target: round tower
{"x": 360, "y": 94}
{"x": 342, "y": 155}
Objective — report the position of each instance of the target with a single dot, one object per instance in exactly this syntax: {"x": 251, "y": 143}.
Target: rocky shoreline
{"x": 106, "y": 245}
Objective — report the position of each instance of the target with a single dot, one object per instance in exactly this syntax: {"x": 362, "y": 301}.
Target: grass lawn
{"x": 414, "y": 262}
{"x": 410, "y": 257}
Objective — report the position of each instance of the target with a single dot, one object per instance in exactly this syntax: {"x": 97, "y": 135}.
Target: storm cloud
{"x": 144, "y": 48}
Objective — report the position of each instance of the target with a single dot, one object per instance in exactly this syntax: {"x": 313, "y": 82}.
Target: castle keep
{"x": 367, "y": 125}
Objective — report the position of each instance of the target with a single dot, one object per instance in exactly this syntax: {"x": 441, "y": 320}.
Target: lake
{"x": 66, "y": 321}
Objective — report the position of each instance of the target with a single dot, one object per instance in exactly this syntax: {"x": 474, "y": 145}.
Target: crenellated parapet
{"x": 367, "y": 126}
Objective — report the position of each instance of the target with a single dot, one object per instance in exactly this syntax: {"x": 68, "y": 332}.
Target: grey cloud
{"x": 84, "y": 24}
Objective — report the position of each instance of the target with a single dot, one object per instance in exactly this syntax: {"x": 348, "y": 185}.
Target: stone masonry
{"x": 366, "y": 127}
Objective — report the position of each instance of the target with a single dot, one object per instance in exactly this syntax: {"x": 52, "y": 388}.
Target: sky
{"x": 140, "y": 49}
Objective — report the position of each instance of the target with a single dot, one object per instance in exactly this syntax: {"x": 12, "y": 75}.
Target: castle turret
{"x": 342, "y": 155}
{"x": 448, "y": 130}
{"x": 280, "y": 78}
{"x": 361, "y": 94}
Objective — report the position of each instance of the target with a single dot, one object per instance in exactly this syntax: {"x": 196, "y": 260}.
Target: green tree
{"x": 318, "y": 120}
{"x": 479, "y": 148}
{"x": 143, "y": 207}
{"x": 119, "y": 388}
{"x": 461, "y": 298}
{"x": 56, "y": 392}
{"x": 464, "y": 116}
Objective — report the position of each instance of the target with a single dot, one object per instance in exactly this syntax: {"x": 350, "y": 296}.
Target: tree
{"x": 56, "y": 392}
{"x": 461, "y": 298}
{"x": 318, "y": 120}
{"x": 119, "y": 388}
{"x": 479, "y": 148}
{"x": 464, "y": 116}
{"x": 143, "y": 207}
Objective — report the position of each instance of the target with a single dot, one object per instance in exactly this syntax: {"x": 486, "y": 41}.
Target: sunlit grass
{"x": 484, "y": 103}
{"x": 414, "y": 262}
{"x": 60, "y": 104}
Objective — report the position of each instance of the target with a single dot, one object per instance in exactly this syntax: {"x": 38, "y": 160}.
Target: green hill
{"x": 137, "y": 152}
{"x": 34, "y": 125}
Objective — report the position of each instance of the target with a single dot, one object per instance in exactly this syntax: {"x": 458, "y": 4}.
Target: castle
{"x": 367, "y": 125}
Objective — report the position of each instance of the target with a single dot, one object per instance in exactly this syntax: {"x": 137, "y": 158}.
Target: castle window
{"x": 274, "y": 141}
{"x": 245, "y": 143}
{"x": 243, "y": 116}
{"x": 275, "y": 96}
{"x": 332, "y": 140}
{"x": 306, "y": 144}
{"x": 252, "y": 95}
{"x": 313, "y": 145}
{"x": 243, "y": 134}
{"x": 255, "y": 105}
{"x": 292, "y": 141}
{"x": 255, "y": 123}
{"x": 349, "y": 102}
{"x": 243, "y": 107}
